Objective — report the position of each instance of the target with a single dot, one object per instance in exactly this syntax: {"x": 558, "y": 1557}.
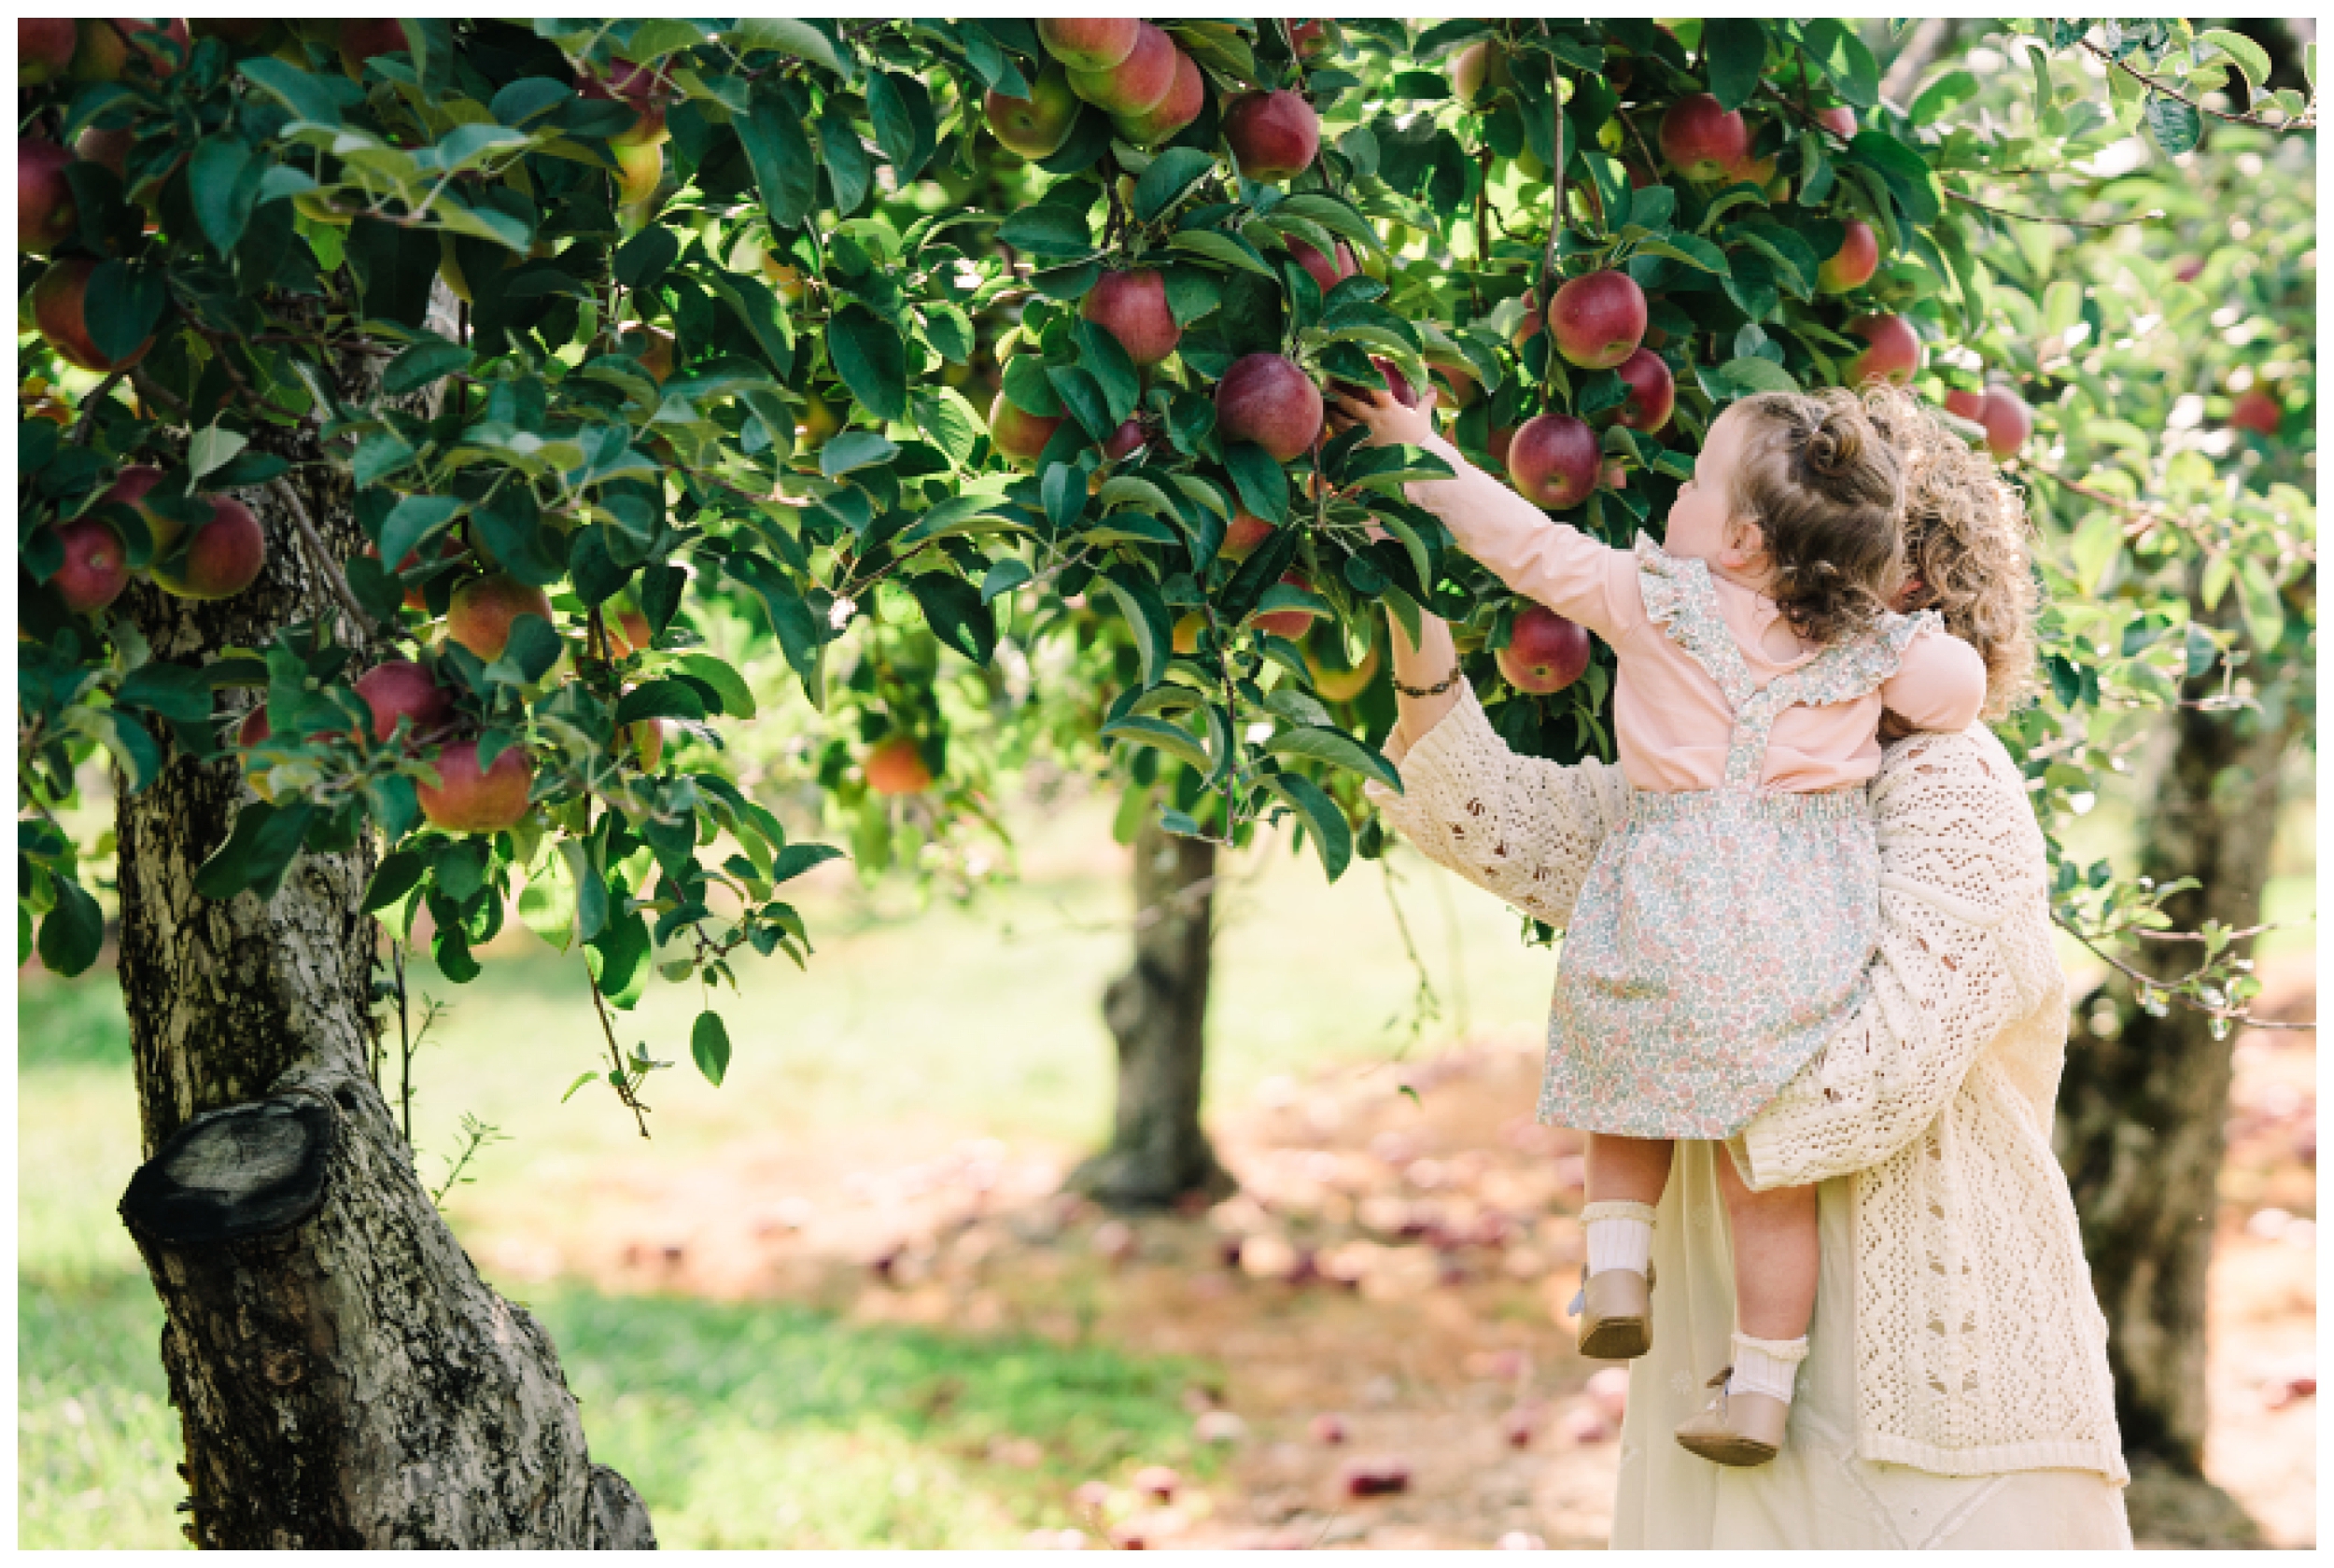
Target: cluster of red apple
{"x": 222, "y": 559}
{"x": 639, "y": 150}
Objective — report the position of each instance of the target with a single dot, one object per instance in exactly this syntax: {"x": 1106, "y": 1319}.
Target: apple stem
{"x": 87, "y": 426}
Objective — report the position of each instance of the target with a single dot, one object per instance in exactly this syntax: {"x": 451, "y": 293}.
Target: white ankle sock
{"x": 1620, "y": 1236}
{"x": 1768, "y": 1366}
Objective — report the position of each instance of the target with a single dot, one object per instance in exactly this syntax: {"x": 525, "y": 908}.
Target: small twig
{"x": 153, "y": 394}
{"x": 623, "y": 1079}
{"x": 323, "y": 557}
{"x": 2054, "y": 217}
{"x": 87, "y": 424}
{"x": 2145, "y": 519}
{"x": 2152, "y": 986}
{"x": 2153, "y": 85}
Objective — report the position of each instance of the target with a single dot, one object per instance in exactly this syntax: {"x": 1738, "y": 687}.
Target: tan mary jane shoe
{"x": 1616, "y": 1311}
{"x": 1737, "y": 1428}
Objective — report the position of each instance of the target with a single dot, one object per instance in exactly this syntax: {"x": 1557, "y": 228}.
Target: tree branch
{"x": 2166, "y": 988}
{"x": 2053, "y": 217}
{"x": 322, "y": 557}
{"x": 2153, "y": 85}
{"x": 1927, "y": 42}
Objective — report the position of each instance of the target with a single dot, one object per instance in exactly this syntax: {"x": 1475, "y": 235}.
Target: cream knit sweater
{"x": 1980, "y": 1344}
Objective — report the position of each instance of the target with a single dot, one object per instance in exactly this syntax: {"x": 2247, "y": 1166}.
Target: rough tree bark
{"x": 2141, "y": 1108}
{"x": 1157, "y": 1012}
{"x": 348, "y": 1381}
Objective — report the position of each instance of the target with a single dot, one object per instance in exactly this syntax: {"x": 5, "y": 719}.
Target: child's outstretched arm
{"x": 1542, "y": 560}
{"x": 1939, "y": 686}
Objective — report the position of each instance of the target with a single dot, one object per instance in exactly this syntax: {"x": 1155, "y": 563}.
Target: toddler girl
{"x": 1726, "y": 926}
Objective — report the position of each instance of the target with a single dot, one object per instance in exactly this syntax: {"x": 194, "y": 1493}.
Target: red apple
{"x": 1019, "y": 436}
{"x": 108, "y": 147}
{"x": 1894, "y": 353}
{"x": 1089, "y": 43}
{"x": 1395, "y": 383}
{"x": 253, "y": 730}
{"x": 105, "y": 45}
{"x": 483, "y": 610}
{"x": 44, "y": 48}
{"x": 1124, "y": 440}
{"x": 224, "y": 556}
{"x": 1138, "y": 82}
{"x": 1273, "y": 135}
{"x": 1340, "y": 683}
{"x": 896, "y": 767}
{"x": 1324, "y": 273}
{"x": 1286, "y": 622}
{"x": 1479, "y": 67}
{"x": 1309, "y": 38}
{"x": 640, "y": 169}
{"x": 1702, "y": 141}
{"x": 1598, "y": 319}
{"x": 1133, "y": 308}
{"x": 361, "y": 41}
{"x": 1652, "y": 391}
{"x": 1185, "y": 99}
{"x": 1554, "y": 460}
{"x": 401, "y": 689}
{"x": 1187, "y": 634}
{"x": 2253, "y": 410}
{"x": 626, "y": 630}
{"x": 470, "y": 800}
{"x": 2189, "y": 270}
{"x": 646, "y": 737}
{"x": 655, "y": 348}
{"x": 1035, "y": 126}
{"x": 2009, "y": 422}
{"x": 46, "y": 216}
{"x": 642, "y": 87}
{"x": 1852, "y": 265}
{"x": 1498, "y": 443}
{"x": 1545, "y": 652}
{"x": 60, "y": 300}
{"x": 1243, "y": 535}
{"x": 1839, "y": 120}
{"x": 96, "y": 569}
{"x": 1266, "y": 399}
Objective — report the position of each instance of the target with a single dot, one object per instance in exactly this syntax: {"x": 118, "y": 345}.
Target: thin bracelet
{"x": 1447, "y": 682}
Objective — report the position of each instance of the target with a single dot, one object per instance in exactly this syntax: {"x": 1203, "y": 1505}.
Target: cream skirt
{"x": 1817, "y": 1494}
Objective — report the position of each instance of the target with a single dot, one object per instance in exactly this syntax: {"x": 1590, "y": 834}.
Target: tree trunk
{"x": 1157, "y": 1012}
{"x": 2143, "y": 1100}
{"x": 345, "y": 1379}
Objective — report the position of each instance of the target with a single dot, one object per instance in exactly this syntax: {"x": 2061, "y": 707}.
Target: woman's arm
{"x": 1521, "y": 828}
{"x": 1430, "y": 662}
{"x": 1959, "y": 963}
{"x": 1546, "y": 562}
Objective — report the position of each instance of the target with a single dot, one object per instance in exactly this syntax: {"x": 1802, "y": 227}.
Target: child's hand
{"x": 1390, "y": 423}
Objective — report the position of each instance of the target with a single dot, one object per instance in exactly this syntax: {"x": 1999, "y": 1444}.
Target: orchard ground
{"x": 837, "y": 1302}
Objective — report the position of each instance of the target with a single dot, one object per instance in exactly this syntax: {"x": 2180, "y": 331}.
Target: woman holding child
{"x": 1808, "y": 1010}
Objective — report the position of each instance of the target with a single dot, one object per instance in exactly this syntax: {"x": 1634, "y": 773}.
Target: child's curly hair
{"x": 1966, "y": 544}
{"x": 1826, "y": 488}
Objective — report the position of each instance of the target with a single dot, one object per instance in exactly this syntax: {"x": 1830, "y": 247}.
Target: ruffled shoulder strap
{"x": 1680, "y": 600}
{"x": 1851, "y": 669}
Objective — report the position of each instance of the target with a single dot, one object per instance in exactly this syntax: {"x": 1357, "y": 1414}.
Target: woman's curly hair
{"x": 1826, "y": 489}
{"x": 1967, "y": 544}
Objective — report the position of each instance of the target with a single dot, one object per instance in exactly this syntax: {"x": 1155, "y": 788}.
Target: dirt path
{"x": 1384, "y": 1297}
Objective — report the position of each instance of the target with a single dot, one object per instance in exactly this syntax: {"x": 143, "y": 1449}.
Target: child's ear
{"x": 1745, "y": 540}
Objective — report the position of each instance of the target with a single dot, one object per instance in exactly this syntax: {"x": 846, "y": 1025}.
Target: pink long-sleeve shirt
{"x": 1673, "y": 723}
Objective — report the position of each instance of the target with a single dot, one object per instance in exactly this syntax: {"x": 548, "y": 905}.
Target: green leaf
{"x": 868, "y": 355}
{"x": 1262, "y": 483}
{"x": 1906, "y": 173}
{"x": 398, "y": 874}
{"x": 1047, "y": 231}
{"x": 795, "y": 858}
{"x": 315, "y": 99}
{"x": 1844, "y": 57}
{"x": 2251, "y": 57}
{"x": 737, "y": 697}
{"x": 1172, "y": 739}
{"x": 957, "y": 614}
{"x": 2177, "y": 128}
{"x": 854, "y": 450}
{"x": 659, "y": 699}
{"x": 1733, "y": 49}
{"x": 1170, "y": 177}
{"x": 211, "y": 448}
{"x": 949, "y": 422}
{"x": 72, "y": 933}
{"x": 709, "y": 1044}
{"x": 779, "y": 151}
{"x": 1003, "y": 577}
{"x": 223, "y": 179}
{"x": 1028, "y": 389}
{"x": 430, "y": 359}
{"x": 1323, "y": 820}
{"x": 848, "y": 169}
{"x": 1755, "y": 374}
{"x": 122, "y": 306}
{"x": 1223, "y": 248}
{"x": 789, "y": 35}
{"x": 2094, "y": 547}
{"x": 1147, "y": 614}
{"x": 547, "y": 902}
{"x": 1950, "y": 87}
{"x": 414, "y": 520}
{"x": 1337, "y": 750}
{"x": 642, "y": 260}
{"x": 2257, "y": 597}
{"x": 1105, "y": 358}
{"x": 901, "y": 109}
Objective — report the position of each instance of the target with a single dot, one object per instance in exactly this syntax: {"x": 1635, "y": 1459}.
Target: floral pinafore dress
{"x": 1720, "y": 932}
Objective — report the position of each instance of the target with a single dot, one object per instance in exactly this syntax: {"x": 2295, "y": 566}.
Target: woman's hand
{"x": 1388, "y": 422}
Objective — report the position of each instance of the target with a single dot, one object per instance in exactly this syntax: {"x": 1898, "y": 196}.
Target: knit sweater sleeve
{"x": 1523, "y": 828}
{"x": 1960, "y": 881}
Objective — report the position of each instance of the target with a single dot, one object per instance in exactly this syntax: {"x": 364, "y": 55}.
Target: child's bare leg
{"x": 1775, "y": 1255}
{"x": 1627, "y": 1169}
